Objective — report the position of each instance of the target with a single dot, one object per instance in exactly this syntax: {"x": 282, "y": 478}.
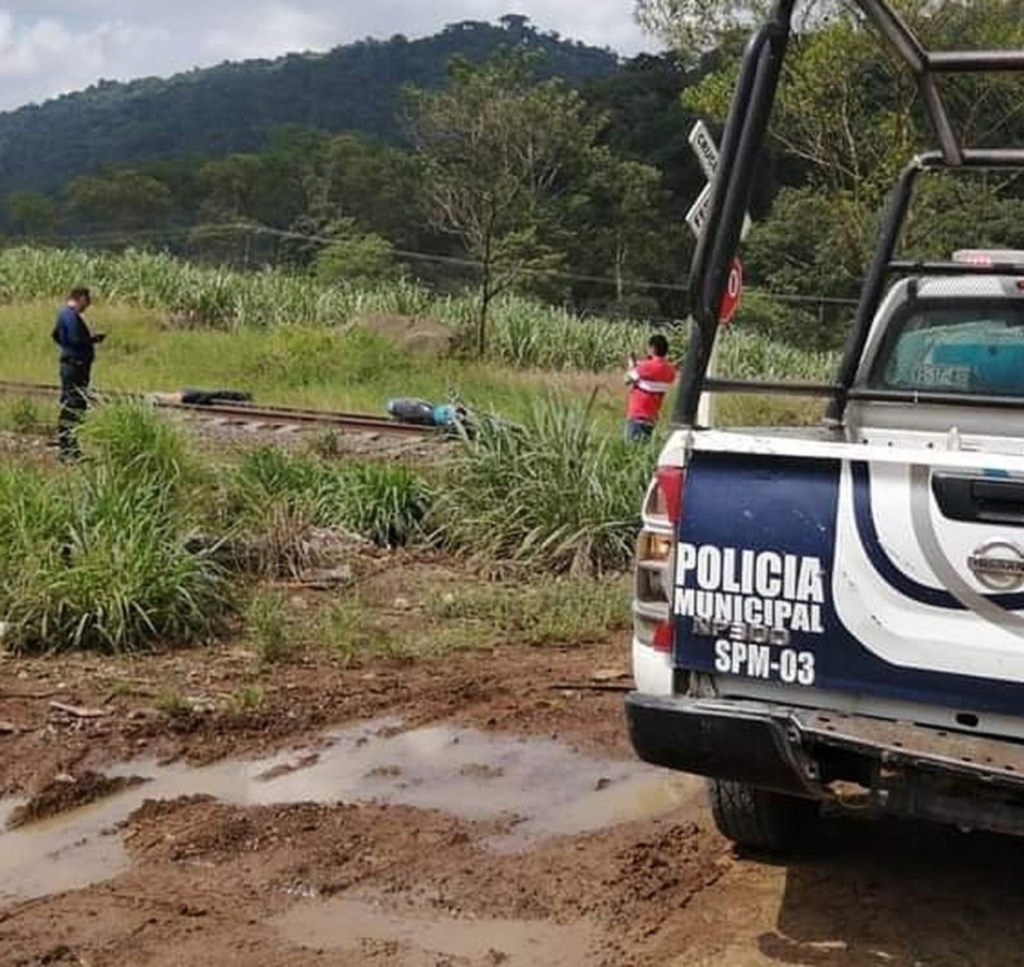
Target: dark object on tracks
{"x": 452, "y": 416}
{"x": 207, "y": 397}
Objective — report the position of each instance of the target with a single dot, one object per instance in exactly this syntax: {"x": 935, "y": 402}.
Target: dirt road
{"x": 480, "y": 810}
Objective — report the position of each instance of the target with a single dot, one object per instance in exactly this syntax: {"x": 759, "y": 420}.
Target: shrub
{"x": 381, "y": 503}
{"x": 556, "y": 492}
{"x": 21, "y": 415}
{"x": 268, "y": 626}
{"x": 101, "y": 556}
{"x": 129, "y": 439}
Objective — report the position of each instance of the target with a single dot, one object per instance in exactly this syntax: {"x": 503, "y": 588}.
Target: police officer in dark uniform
{"x": 77, "y": 351}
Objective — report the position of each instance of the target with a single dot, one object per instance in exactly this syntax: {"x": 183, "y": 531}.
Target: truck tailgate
{"x": 853, "y": 568}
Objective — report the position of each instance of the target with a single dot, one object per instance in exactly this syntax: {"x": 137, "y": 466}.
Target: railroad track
{"x": 274, "y": 417}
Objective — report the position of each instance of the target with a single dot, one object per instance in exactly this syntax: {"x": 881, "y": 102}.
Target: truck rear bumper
{"x": 745, "y": 741}
{"x": 907, "y": 769}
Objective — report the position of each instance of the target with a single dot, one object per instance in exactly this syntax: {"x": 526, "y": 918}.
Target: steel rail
{"x": 243, "y": 412}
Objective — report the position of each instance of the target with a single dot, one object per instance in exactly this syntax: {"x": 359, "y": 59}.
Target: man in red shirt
{"x": 649, "y": 381}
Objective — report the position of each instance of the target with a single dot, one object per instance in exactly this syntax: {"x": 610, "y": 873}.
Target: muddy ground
{"x": 476, "y": 808}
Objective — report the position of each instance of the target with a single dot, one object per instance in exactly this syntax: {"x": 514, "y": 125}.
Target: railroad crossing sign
{"x": 706, "y": 150}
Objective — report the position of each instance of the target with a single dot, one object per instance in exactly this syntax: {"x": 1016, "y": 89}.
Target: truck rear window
{"x": 954, "y": 347}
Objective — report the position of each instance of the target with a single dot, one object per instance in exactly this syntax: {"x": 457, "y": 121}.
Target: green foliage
{"x": 235, "y": 107}
{"x": 952, "y": 212}
{"x": 695, "y": 26}
{"x": 352, "y": 634}
{"x": 555, "y": 492}
{"x": 128, "y": 439}
{"x": 494, "y": 145}
{"x": 751, "y": 355}
{"x": 31, "y": 214}
{"x": 354, "y": 256}
{"x": 563, "y": 611}
{"x": 827, "y": 254}
{"x": 21, "y": 415}
{"x": 303, "y": 345}
{"x": 200, "y": 296}
{"x": 247, "y": 699}
{"x": 846, "y": 121}
{"x": 101, "y": 557}
{"x": 267, "y": 624}
{"x": 173, "y": 704}
{"x": 380, "y": 502}
{"x": 122, "y": 201}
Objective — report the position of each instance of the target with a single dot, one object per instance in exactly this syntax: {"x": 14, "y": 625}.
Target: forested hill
{"x": 235, "y": 106}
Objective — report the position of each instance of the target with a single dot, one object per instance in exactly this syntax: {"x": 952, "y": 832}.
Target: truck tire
{"x": 760, "y": 819}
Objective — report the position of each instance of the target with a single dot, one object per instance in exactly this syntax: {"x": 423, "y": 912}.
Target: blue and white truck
{"x": 836, "y": 614}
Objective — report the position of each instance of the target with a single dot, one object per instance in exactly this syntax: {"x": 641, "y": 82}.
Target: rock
{"x": 416, "y": 334}
{"x": 608, "y": 674}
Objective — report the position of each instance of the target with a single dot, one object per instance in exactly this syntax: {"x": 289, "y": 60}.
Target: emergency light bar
{"x": 1010, "y": 257}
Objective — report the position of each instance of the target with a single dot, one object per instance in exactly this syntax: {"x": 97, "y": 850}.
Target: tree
{"x": 495, "y": 146}
{"x": 613, "y": 227}
{"x": 354, "y": 256}
{"x": 694, "y": 26}
{"x": 30, "y": 213}
{"x": 847, "y": 119}
{"x": 125, "y": 201}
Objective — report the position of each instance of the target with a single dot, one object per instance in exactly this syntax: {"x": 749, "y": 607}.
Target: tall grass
{"x": 523, "y": 334}
{"x": 279, "y": 498}
{"x": 101, "y": 555}
{"x": 751, "y": 355}
{"x": 197, "y": 295}
{"x": 556, "y": 492}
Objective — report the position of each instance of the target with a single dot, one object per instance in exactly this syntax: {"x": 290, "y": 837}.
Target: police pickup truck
{"x": 836, "y": 614}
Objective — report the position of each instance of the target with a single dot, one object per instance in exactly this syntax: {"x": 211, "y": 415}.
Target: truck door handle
{"x": 984, "y": 499}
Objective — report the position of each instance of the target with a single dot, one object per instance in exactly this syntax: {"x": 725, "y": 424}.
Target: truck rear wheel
{"x": 760, "y": 819}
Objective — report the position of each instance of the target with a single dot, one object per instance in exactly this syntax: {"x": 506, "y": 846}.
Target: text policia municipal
{"x": 771, "y": 594}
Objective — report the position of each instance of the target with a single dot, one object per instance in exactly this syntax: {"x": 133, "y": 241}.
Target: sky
{"x": 51, "y": 47}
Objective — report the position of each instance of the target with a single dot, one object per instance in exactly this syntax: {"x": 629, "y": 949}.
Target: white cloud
{"x": 49, "y": 47}
{"x": 261, "y": 30}
{"x": 48, "y": 57}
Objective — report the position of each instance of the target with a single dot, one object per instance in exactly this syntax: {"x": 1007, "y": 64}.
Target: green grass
{"x": 268, "y": 627}
{"x": 328, "y": 368}
{"x": 352, "y": 634}
{"x": 99, "y": 555}
{"x": 750, "y": 355}
{"x": 26, "y": 415}
{"x": 555, "y": 492}
{"x": 289, "y": 339}
{"x": 145, "y": 542}
{"x": 563, "y": 611}
{"x": 559, "y": 612}
{"x": 383, "y": 503}
{"x": 247, "y": 699}
{"x": 173, "y": 704}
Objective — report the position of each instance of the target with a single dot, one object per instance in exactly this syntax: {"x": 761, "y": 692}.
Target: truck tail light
{"x": 653, "y": 626}
{"x": 668, "y": 493}
{"x": 663, "y": 637}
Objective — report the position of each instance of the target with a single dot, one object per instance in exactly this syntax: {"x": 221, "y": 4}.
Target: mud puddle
{"x": 418, "y": 937}
{"x": 541, "y": 787}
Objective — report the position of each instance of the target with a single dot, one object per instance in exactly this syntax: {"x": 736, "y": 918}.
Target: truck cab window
{"x": 962, "y": 346}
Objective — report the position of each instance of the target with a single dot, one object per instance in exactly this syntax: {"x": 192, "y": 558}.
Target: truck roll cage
{"x": 743, "y": 138}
